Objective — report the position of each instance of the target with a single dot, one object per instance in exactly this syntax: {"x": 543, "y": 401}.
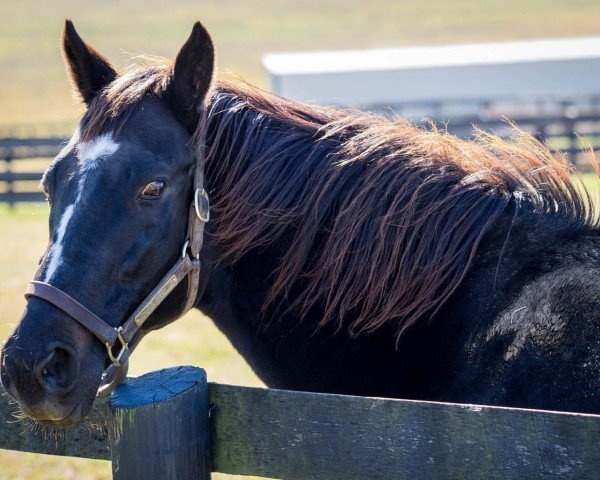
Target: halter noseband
{"x": 118, "y": 339}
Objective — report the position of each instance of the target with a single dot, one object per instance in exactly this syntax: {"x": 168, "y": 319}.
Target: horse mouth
{"x": 48, "y": 413}
{"x": 65, "y": 422}
{"x": 48, "y": 418}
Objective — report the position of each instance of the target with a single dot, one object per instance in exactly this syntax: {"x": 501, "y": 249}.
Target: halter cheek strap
{"x": 104, "y": 332}
{"x": 118, "y": 339}
{"x": 120, "y": 336}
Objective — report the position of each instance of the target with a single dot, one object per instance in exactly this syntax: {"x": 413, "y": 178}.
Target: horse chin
{"x": 75, "y": 416}
{"x": 61, "y": 413}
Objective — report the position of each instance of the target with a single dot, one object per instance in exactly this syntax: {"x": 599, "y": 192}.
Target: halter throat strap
{"x": 118, "y": 339}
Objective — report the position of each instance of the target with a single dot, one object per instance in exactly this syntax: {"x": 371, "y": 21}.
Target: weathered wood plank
{"x": 88, "y": 440}
{"x": 14, "y": 197}
{"x": 31, "y": 142}
{"x": 295, "y": 436}
{"x": 159, "y": 428}
{"x": 20, "y": 176}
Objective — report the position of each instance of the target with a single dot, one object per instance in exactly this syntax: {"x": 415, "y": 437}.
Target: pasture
{"x": 34, "y": 94}
{"x": 32, "y": 68}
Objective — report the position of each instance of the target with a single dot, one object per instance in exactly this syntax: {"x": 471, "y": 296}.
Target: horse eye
{"x": 154, "y": 189}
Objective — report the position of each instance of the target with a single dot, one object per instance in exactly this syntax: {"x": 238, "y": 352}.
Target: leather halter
{"x": 118, "y": 339}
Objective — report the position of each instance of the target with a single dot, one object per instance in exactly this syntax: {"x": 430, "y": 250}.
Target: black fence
{"x": 574, "y": 137}
{"x": 22, "y": 160}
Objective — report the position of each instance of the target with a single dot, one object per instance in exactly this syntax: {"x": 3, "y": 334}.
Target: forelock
{"x": 112, "y": 106}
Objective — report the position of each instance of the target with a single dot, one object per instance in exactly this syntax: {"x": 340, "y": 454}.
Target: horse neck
{"x": 523, "y": 246}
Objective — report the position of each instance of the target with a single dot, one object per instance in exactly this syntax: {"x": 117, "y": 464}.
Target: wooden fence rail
{"x": 172, "y": 424}
{"x": 12, "y": 151}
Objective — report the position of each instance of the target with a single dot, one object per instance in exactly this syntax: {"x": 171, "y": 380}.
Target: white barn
{"x": 457, "y": 76}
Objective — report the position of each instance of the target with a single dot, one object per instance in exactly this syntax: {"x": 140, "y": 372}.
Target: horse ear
{"x": 192, "y": 76}
{"x": 89, "y": 71}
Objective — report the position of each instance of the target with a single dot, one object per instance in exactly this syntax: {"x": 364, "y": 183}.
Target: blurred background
{"x": 38, "y": 111}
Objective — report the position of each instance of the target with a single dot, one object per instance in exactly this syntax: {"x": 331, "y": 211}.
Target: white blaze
{"x": 56, "y": 249}
{"x": 100, "y": 147}
{"x": 89, "y": 154}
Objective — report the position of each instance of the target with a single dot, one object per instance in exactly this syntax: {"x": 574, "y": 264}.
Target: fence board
{"x": 16, "y": 142}
{"x": 20, "y": 148}
{"x": 11, "y": 176}
{"x": 14, "y": 197}
{"x": 298, "y": 435}
{"x": 88, "y": 440}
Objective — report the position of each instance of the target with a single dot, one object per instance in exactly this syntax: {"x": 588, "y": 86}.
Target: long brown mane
{"x": 376, "y": 220}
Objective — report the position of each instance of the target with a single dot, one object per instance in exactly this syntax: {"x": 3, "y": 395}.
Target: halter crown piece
{"x": 118, "y": 339}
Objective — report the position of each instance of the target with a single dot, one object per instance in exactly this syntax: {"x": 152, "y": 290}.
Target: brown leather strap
{"x": 74, "y": 309}
{"x": 198, "y": 216}
{"x": 193, "y": 282}
{"x": 166, "y": 285}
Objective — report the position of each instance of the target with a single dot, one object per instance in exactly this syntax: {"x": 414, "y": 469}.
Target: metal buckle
{"x": 124, "y": 346}
{"x": 202, "y": 211}
{"x": 185, "y": 248}
{"x": 112, "y": 377}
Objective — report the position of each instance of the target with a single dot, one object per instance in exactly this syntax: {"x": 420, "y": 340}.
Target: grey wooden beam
{"x": 87, "y": 440}
{"x": 16, "y": 142}
{"x": 296, "y": 436}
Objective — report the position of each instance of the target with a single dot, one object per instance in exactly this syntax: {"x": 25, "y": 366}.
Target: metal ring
{"x": 185, "y": 248}
{"x": 124, "y": 346}
{"x": 114, "y": 376}
{"x": 203, "y": 214}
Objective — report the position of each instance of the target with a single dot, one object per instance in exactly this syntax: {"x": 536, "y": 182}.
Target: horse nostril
{"x": 57, "y": 372}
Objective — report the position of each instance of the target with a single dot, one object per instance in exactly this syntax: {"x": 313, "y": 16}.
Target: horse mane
{"x": 375, "y": 220}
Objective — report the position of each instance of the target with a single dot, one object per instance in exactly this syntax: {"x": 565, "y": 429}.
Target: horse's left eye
{"x": 154, "y": 189}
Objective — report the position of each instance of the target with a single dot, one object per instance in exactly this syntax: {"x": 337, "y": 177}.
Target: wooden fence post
{"x": 159, "y": 428}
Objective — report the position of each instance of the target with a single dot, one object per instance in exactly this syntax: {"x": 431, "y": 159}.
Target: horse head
{"x": 120, "y": 195}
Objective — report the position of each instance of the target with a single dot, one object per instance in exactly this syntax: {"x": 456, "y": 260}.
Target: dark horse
{"x": 347, "y": 253}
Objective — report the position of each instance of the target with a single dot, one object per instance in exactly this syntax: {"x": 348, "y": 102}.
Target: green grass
{"x": 33, "y": 87}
